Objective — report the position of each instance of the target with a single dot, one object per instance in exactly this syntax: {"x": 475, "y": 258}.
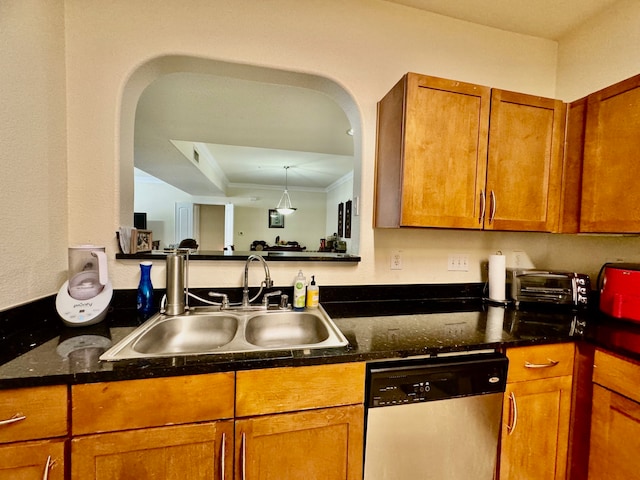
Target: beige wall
{"x": 601, "y": 52}
{"x": 363, "y": 45}
{"x": 33, "y": 176}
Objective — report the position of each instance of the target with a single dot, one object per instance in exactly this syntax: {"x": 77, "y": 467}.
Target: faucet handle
{"x": 265, "y": 298}
{"x": 225, "y": 299}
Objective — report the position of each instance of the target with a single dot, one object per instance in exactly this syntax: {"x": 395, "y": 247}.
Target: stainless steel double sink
{"x": 202, "y": 331}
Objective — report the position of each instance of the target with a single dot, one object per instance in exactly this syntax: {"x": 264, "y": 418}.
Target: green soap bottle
{"x": 299, "y": 291}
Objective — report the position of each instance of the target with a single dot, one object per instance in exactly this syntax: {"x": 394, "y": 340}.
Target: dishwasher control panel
{"x": 410, "y": 381}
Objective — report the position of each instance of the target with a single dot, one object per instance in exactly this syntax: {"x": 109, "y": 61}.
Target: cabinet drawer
{"x": 540, "y": 361}
{"x": 288, "y": 389}
{"x": 113, "y": 406}
{"x": 39, "y": 412}
{"x": 617, "y": 374}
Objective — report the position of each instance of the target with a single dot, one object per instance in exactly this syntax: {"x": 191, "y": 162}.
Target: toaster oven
{"x": 555, "y": 288}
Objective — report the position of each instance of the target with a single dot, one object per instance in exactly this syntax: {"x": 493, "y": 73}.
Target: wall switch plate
{"x": 458, "y": 262}
{"x": 396, "y": 260}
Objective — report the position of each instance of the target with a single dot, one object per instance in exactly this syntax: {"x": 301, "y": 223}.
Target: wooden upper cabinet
{"x": 610, "y": 199}
{"x": 570, "y": 197}
{"x": 457, "y": 155}
{"x": 432, "y": 152}
{"x": 524, "y": 172}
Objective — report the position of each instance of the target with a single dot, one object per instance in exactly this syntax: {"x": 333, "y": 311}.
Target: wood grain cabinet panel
{"x": 287, "y": 389}
{"x": 524, "y": 170}
{"x": 196, "y": 451}
{"x": 432, "y": 153}
{"x": 457, "y": 155}
{"x": 322, "y": 444}
{"x": 30, "y": 460}
{"x": 39, "y": 412}
{"x": 615, "y": 418}
{"x": 610, "y": 199}
{"x": 537, "y": 412}
{"x": 113, "y": 406}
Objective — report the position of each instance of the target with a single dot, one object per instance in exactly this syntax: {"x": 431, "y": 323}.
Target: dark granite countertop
{"x": 377, "y": 325}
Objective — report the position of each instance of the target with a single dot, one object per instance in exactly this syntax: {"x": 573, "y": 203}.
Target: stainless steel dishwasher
{"x": 434, "y": 418}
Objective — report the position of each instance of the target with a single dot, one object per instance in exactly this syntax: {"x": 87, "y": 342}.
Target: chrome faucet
{"x": 267, "y": 282}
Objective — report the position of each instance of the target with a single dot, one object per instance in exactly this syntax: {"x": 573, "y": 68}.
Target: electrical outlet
{"x": 396, "y": 260}
{"x": 458, "y": 262}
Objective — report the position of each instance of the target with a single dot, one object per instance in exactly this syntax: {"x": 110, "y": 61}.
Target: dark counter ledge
{"x": 272, "y": 256}
{"x": 380, "y": 321}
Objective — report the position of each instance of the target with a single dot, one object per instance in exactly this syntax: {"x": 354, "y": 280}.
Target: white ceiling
{"x": 248, "y": 131}
{"x": 540, "y": 18}
{"x": 245, "y": 132}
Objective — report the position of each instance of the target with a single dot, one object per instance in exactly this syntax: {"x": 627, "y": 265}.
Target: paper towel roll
{"x": 497, "y": 277}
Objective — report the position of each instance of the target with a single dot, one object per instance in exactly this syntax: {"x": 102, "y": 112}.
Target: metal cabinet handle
{"x": 492, "y": 214}
{"x": 223, "y": 451}
{"x": 244, "y": 456}
{"x": 514, "y": 416}
{"x": 482, "y": 206}
{"x": 47, "y": 466}
{"x": 18, "y": 417}
{"x": 551, "y": 363}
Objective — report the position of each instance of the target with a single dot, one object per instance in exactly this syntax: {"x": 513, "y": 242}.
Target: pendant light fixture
{"x": 284, "y": 205}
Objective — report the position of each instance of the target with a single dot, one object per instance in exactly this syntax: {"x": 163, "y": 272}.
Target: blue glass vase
{"x": 145, "y": 291}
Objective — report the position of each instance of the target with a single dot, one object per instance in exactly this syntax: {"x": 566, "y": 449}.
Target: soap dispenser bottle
{"x": 313, "y": 293}
{"x": 299, "y": 291}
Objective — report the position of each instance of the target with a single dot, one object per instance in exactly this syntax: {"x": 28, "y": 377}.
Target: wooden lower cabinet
{"x": 615, "y": 437}
{"x": 615, "y": 418}
{"x": 32, "y": 460}
{"x": 323, "y": 444}
{"x": 536, "y": 414}
{"x": 535, "y": 429}
{"x": 194, "y": 451}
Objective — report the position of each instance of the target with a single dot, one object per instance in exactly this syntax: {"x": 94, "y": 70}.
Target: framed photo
{"x": 276, "y": 220}
{"x": 340, "y": 219}
{"x": 141, "y": 240}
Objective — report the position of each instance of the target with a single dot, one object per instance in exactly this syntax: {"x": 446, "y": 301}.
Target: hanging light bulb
{"x": 284, "y": 205}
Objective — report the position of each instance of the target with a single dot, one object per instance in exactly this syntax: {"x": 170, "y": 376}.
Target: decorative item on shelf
{"x": 284, "y": 205}
{"x": 347, "y": 219}
{"x": 145, "y": 291}
{"x": 141, "y": 241}
{"x": 276, "y": 219}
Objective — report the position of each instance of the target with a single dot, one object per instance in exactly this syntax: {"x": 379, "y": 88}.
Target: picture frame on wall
{"x": 276, "y": 219}
{"x": 141, "y": 240}
{"x": 340, "y": 219}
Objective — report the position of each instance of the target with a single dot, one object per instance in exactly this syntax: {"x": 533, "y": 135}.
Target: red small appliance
{"x": 620, "y": 290}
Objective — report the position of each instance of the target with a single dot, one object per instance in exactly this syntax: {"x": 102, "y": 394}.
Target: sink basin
{"x": 284, "y": 329}
{"x": 187, "y": 334}
{"x": 205, "y": 332}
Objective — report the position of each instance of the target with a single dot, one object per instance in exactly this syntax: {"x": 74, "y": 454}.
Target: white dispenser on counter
{"x": 84, "y": 298}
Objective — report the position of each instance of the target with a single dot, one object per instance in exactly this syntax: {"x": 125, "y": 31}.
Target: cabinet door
{"x": 168, "y": 453}
{"x": 535, "y": 430}
{"x": 610, "y": 199}
{"x": 615, "y": 436}
{"x": 524, "y": 171}
{"x": 32, "y": 461}
{"x": 325, "y": 443}
{"x": 432, "y": 153}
